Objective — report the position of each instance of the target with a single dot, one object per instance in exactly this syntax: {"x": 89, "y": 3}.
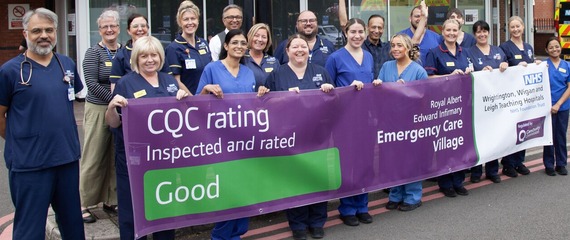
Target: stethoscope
{"x": 66, "y": 78}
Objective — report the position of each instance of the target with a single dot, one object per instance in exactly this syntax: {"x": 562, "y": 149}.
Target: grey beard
{"x": 40, "y": 50}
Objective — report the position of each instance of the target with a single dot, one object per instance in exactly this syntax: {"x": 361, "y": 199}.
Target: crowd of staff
{"x": 44, "y": 159}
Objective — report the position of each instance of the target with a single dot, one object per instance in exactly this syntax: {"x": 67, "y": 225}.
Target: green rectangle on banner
{"x": 213, "y": 187}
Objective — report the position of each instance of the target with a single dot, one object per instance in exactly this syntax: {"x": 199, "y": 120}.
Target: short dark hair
{"x": 481, "y": 25}
{"x": 232, "y": 33}
{"x": 376, "y": 16}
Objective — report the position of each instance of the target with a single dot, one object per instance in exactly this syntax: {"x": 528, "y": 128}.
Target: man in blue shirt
{"x": 37, "y": 90}
{"x": 380, "y": 51}
{"x": 426, "y": 39}
{"x": 319, "y": 48}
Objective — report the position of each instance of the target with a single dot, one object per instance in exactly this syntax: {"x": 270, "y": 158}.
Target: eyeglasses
{"x": 39, "y": 31}
{"x": 234, "y": 17}
{"x": 139, "y": 26}
{"x": 113, "y": 27}
{"x": 305, "y": 21}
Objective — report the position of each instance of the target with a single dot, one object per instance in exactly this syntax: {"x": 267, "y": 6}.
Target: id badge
{"x": 70, "y": 93}
{"x": 190, "y": 63}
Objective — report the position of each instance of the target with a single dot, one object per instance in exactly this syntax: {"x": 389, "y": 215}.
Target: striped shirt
{"x": 96, "y": 70}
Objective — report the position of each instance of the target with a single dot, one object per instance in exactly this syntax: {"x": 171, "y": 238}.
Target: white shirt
{"x": 216, "y": 46}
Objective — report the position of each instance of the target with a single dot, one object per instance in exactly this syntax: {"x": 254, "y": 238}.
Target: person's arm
{"x": 422, "y": 26}
{"x": 112, "y": 115}
{"x": 91, "y": 74}
{"x": 342, "y": 15}
{"x": 562, "y": 99}
{"x": 3, "y": 111}
{"x": 181, "y": 85}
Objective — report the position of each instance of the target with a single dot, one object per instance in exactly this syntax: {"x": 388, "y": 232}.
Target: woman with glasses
{"x": 97, "y": 177}
{"x": 188, "y": 54}
{"x": 224, "y": 76}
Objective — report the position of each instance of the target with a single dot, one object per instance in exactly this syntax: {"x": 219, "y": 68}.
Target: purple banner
{"x": 222, "y": 154}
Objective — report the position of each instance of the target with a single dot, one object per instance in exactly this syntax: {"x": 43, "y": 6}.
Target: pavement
{"x": 485, "y": 214}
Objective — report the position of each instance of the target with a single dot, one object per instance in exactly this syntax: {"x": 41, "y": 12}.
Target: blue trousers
{"x": 514, "y": 160}
{"x": 451, "y": 180}
{"x": 230, "y": 230}
{"x": 32, "y": 193}
{"x": 124, "y": 200}
{"x": 314, "y": 215}
{"x": 353, "y": 205}
{"x": 410, "y": 193}
{"x": 491, "y": 169}
{"x": 557, "y": 153}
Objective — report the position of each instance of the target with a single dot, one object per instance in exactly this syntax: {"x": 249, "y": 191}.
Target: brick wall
{"x": 11, "y": 38}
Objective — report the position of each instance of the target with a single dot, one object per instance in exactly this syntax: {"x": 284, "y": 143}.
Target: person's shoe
{"x": 350, "y": 220}
{"x": 475, "y": 179}
{"x": 494, "y": 178}
{"x": 317, "y": 232}
{"x": 448, "y": 192}
{"x": 550, "y": 171}
{"x": 522, "y": 170}
{"x": 299, "y": 234}
{"x": 364, "y": 218}
{"x": 110, "y": 208}
{"x": 561, "y": 170}
{"x": 409, "y": 207}
{"x": 87, "y": 216}
{"x": 510, "y": 172}
{"x": 461, "y": 191}
{"x": 392, "y": 205}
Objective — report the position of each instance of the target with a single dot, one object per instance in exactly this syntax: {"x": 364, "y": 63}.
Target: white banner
{"x": 512, "y": 110}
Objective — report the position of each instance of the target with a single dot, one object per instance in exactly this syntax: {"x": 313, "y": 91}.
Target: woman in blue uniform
{"x": 518, "y": 53}
{"x": 295, "y": 75}
{"x": 229, "y": 76}
{"x": 188, "y": 54}
{"x": 148, "y": 59}
{"x": 351, "y": 65}
{"x": 257, "y": 59}
{"x": 559, "y": 73}
{"x": 137, "y": 27}
{"x": 449, "y": 58}
{"x": 487, "y": 57}
{"x": 404, "y": 68}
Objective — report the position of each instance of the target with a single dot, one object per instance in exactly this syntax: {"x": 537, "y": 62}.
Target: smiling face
{"x": 41, "y": 35}
{"x": 399, "y": 49}
{"x": 307, "y": 24}
{"x": 236, "y": 46}
{"x": 516, "y": 28}
{"x": 450, "y": 31}
{"x": 189, "y": 22}
{"x": 355, "y": 35}
{"x": 458, "y": 18}
{"x": 482, "y": 36}
{"x": 138, "y": 28}
{"x": 148, "y": 62}
{"x": 298, "y": 51}
{"x": 232, "y": 18}
{"x": 415, "y": 17}
{"x": 260, "y": 39}
{"x": 109, "y": 30}
{"x": 375, "y": 29}
{"x": 553, "y": 49}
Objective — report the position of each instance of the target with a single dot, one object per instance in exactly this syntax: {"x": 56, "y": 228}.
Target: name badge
{"x": 190, "y": 63}
{"x": 294, "y": 89}
{"x": 450, "y": 64}
{"x": 518, "y": 56}
{"x": 108, "y": 64}
{"x": 140, "y": 93}
{"x": 70, "y": 93}
{"x": 268, "y": 70}
{"x": 562, "y": 70}
{"x": 202, "y": 51}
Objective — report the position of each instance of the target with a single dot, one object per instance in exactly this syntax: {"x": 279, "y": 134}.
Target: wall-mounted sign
{"x": 15, "y": 14}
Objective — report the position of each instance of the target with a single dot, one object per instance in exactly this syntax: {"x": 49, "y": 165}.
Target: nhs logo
{"x": 533, "y": 78}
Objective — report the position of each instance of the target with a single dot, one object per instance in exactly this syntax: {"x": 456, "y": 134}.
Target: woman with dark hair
{"x": 299, "y": 74}
{"x": 352, "y": 66}
{"x": 257, "y": 59}
{"x": 448, "y": 59}
{"x": 404, "y": 68}
{"x": 559, "y": 73}
{"x": 228, "y": 75}
{"x": 148, "y": 59}
{"x": 486, "y": 57}
{"x": 518, "y": 53}
{"x": 188, "y": 54}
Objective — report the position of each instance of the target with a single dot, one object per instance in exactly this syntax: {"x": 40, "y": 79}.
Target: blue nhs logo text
{"x": 533, "y": 78}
